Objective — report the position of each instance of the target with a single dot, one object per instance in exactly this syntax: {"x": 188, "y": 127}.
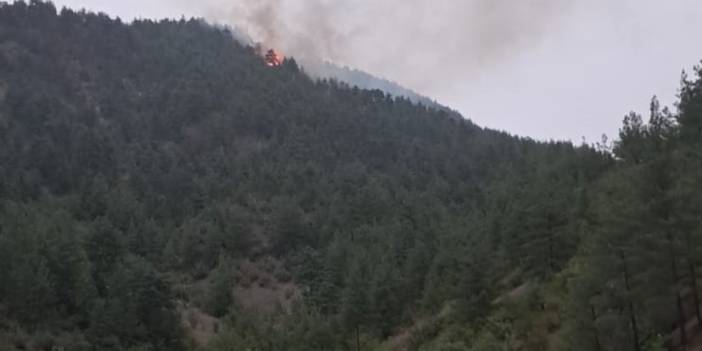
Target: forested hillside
{"x": 162, "y": 188}
{"x": 326, "y": 70}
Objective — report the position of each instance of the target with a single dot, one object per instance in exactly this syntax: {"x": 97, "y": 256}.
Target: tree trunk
{"x": 551, "y": 253}
{"x": 695, "y": 292}
{"x": 551, "y": 259}
{"x": 358, "y": 339}
{"x": 693, "y": 278}
{"x": 598, "y": 346}
{"x": 681, "y": 322}
{"x": 634, "y": 327}
{"x": 678, "y": 296}
{"x": 632, "y": 310}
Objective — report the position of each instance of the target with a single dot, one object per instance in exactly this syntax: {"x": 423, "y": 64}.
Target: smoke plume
{"x": 399, "y": 39}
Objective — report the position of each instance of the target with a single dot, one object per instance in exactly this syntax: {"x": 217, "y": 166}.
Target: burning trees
{"x": 273, "y": 59}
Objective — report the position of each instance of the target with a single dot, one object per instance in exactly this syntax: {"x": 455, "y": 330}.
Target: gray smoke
{"x": 533, "y": 67}
{"x": 402, "y": 39}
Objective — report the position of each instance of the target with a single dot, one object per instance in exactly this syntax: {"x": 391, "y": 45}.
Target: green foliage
{"x": 167, "y": 148}
{"x": 136, "y": 158}
{"x": 137, "y": 310}
{"x": 220, "y": 298}
{"x": 637, "y": 275}
{"x": 300, "y": 329}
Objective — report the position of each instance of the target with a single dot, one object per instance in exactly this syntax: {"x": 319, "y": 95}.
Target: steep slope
{"x": 327, "y": 70}
{"x": 152, "y": 171}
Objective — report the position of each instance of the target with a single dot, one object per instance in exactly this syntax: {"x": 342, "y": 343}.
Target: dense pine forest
{"x": 162, "y": 188}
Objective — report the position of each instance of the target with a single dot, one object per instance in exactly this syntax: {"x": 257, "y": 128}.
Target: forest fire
{"x": 273, "y": 58}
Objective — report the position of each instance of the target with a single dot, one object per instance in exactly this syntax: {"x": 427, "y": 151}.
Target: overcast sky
{"x": 548, "y": 69}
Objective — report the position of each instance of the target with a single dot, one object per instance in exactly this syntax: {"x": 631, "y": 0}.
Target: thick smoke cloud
{"x": 404, "y": 39}
{"x": 542, "y": 68}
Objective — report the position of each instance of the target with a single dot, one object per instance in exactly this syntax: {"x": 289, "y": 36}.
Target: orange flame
{"x": 273, "y": 58}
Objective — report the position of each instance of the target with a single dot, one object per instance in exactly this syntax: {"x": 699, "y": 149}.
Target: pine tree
{"x": 220, "y": 294}
{"x": 31, "y": 294}
{"x": 355, "y": 309}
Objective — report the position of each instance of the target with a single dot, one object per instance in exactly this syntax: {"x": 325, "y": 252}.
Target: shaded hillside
{"x": 142, "y": 163}
{"x": 157, "y": 178}
{"x": 353, "y": 77}
{"x": 325, "y": 70}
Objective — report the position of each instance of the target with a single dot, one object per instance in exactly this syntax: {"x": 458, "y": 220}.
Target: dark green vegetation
{"x": 153, "y": 171}
{"x": 326, "y": 70}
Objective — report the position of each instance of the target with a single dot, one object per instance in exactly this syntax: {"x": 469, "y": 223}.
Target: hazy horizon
{"x": 546, "y": 69}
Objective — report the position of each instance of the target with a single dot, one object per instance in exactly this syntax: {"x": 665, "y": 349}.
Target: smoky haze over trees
{"x": 547, "y": 57}
{"x": 454, "y": 37}
{"x": 162, "y": 188}
{"x": 553, "y": 57}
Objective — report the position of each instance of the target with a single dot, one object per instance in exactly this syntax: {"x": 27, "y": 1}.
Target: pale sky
{"x": 547, "y": 69}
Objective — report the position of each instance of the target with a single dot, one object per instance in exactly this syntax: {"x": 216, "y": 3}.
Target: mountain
{"x": 326, "y": 70}
{"x": 163, "y": 188}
